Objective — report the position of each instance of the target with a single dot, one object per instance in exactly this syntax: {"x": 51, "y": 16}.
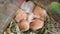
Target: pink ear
{"x": 20, "y": 1}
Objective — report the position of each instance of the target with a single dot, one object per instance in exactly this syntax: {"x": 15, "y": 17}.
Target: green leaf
{"x": 55, "y": 7}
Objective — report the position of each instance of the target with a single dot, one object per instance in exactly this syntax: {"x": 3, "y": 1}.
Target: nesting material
{"x": 24, "y": 25}
{"x": 20, "y": 15}
{"x": 27, "y": 6}
{"x": 39, "y": 13}
{"x": 36, "y": 24}
{"x": 7, "y": 12}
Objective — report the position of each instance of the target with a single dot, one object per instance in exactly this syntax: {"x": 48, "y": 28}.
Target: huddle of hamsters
{"x": 30, "y": 16}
